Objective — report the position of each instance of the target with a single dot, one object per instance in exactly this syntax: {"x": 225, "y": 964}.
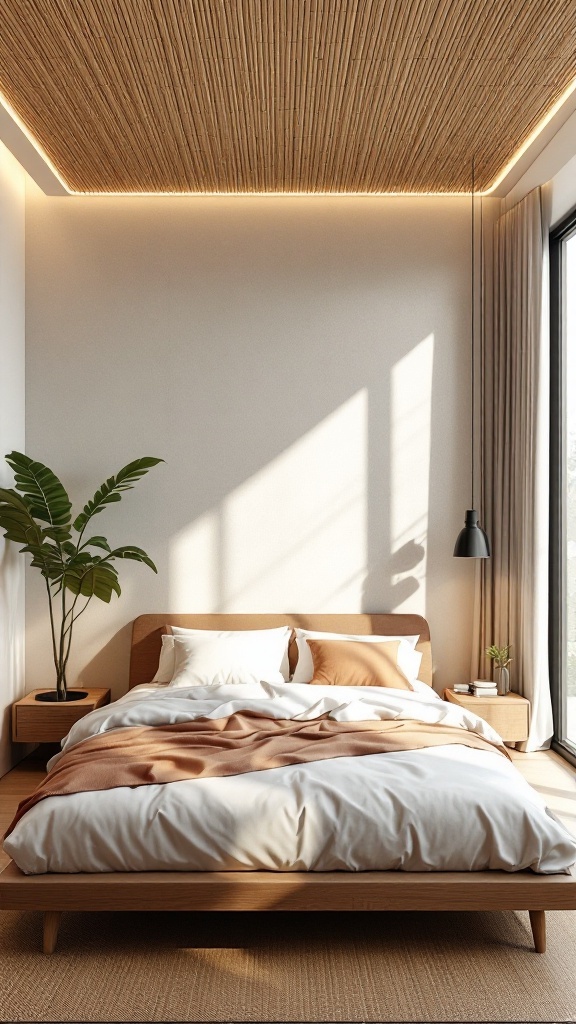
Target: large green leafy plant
{"x": 37, "y": 513}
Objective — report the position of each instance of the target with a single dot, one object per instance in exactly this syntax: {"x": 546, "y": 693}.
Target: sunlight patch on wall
{"x": 195, "y": 566}
{"x": 293, "y": 536}
{"x": 410, "y": 441}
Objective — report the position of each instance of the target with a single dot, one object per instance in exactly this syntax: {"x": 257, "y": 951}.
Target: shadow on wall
{"x": 269, "y": 546}
{"x": 116, "y": 652}
{"x": 312, "y": 544}
{"x": 299, "y": 534}
{"x": 304, "y": 393}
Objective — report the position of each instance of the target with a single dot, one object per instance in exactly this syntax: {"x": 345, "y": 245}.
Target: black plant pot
{"x": 52, "y": 697}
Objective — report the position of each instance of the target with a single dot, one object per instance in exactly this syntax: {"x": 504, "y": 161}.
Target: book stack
{"x": 461, "y": 688}
{"x": 484, "y": 688}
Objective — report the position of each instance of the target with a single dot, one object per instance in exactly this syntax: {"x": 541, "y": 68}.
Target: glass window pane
{"x": 569, "y": 291}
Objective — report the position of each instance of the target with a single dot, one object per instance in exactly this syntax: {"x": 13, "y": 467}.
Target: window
{"x": 563, "y": 484}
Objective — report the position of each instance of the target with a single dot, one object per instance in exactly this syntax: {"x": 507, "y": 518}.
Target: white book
{"x": 481, "y": 683}
{"x": 486, "y": 693}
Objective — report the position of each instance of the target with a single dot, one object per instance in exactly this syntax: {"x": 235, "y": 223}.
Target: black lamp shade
{"x": 472, "y": 542}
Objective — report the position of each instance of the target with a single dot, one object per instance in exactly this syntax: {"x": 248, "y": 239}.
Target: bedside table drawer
{"x": 511, "y": 723}
{"x": 508, "y": 715}
{"x": 36, "y": 721}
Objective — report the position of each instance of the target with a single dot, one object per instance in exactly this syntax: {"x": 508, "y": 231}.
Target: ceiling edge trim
{"x": 29, "y": 153}
{"x": 33, "y": 158}
{"x": 544, "y": 132}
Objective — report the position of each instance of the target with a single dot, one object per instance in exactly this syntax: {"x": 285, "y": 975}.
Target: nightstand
{"x": 509, "y": 715}
{"x": 35, "y": 721}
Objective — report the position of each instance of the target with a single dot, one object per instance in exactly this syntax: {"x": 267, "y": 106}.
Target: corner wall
{"x": 12, "y": 206}
{"x": 302, "y": 365}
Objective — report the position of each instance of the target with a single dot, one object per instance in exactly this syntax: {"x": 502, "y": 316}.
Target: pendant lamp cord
{"x": 472, "y": 336}
{"x": 481, "y": 362}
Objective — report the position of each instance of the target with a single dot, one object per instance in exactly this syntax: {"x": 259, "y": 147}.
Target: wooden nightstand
{"x": 509, "y": 715}
{"x": 35, "y": 721}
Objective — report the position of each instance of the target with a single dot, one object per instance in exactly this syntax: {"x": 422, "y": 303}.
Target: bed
{"x": 55, "y": 892}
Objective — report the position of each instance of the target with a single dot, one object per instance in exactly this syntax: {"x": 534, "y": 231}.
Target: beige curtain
{"x": 512, "y": 586}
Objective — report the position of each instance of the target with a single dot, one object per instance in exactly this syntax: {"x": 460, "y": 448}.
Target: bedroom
{"x": 302, "y": 364}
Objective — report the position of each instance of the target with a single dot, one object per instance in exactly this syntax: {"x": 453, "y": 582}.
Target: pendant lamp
{"x": 472, "y": 541}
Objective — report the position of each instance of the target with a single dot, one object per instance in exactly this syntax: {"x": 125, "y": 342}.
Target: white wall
{"x": 12, "y": 275}
{"x": 301, "y": 364}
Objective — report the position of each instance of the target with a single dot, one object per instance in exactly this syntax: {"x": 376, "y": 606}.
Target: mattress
{"x": 443, "y": 808}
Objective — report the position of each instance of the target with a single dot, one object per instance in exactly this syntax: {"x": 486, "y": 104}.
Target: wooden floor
{"x": 545, "y": 770}
{"x": 552, "y": 777}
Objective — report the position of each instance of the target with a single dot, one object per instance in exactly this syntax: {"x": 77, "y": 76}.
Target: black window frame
{"x": 557, "y": 571}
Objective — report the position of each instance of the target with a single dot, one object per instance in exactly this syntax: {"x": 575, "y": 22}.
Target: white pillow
{"x": 424, "y": 689}
{"x": 408, "y": 658}
{"x": 242, "y": 658}
{"x": 165, "y": 670}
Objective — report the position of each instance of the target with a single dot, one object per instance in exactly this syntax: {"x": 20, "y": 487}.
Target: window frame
{"x": 557, "y": 623}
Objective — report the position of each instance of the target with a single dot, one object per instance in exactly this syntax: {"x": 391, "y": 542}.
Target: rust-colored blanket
{"x": 243, "y": 742}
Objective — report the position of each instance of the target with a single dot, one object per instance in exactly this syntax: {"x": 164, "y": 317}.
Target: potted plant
{"x": 37, "y": 513}
{"x": 501, "y": 658}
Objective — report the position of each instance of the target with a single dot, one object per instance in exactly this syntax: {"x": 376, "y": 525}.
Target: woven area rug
{"x": 288, "y": 967}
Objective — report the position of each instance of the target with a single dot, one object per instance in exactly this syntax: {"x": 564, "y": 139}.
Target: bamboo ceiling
{"x": 314, "y": 96}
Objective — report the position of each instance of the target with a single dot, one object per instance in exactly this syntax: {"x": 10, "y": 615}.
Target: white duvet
{"x": 446, "y": 808}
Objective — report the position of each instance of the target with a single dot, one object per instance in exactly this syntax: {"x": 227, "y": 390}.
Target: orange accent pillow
{"x": 353, "y": 663}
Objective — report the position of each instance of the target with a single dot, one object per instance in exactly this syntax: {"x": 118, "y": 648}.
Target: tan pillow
{"x": 353, "y": 663}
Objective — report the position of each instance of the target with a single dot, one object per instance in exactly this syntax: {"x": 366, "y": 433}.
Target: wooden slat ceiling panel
{"x": 284, "y": 95}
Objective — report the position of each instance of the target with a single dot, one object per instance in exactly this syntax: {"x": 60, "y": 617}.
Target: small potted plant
{"x": 37, "y": 513}
{"x": 501, "y": 658}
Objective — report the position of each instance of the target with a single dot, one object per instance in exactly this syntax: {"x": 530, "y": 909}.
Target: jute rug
{"x": 288, "y": 967}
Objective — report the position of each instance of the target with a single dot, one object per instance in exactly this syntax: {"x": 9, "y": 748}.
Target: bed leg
{"x": 51, "y": 925}
{"x": 538, "y": 924}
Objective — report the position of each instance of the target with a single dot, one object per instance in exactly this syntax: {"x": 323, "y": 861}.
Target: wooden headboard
{"x": 147, "y": 631}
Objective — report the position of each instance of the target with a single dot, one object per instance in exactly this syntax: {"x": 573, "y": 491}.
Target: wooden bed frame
{"x": 265, "y": 890}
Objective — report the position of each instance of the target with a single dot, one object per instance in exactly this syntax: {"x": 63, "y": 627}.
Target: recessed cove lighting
{"x": 28, "y": 151}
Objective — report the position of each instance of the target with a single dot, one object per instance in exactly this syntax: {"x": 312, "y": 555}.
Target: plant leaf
{"x": 131, "y": 551}
{"x": 19, "y": 526}
{"x": 97, "y": 542}
{"x": 46, "y": 557}
{"x": 98, "y": 579}
{"x": 110, "y": 490}
{"x": 82, "y": 558}
{"x": 500, "y": 655}
{"x": 16, "y": 520}
{"x": 43, "y": 493}
{"x": 58, "y": 533}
